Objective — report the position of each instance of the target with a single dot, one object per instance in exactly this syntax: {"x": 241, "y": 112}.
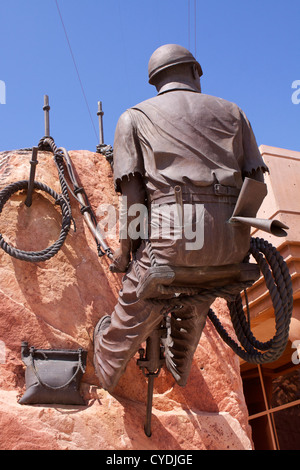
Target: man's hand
{"x": 120, "y": 262}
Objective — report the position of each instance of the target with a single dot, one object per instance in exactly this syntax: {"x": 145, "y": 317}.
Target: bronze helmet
{"x": 168, "y": 56}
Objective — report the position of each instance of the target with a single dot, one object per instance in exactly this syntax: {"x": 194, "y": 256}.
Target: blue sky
{"x": 249, "y": 52}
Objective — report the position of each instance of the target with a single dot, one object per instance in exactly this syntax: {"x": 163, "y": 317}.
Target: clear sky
{"x": 249, "y": 52}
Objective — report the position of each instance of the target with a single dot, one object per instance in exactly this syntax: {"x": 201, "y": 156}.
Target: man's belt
{"x": 212, "y": 193}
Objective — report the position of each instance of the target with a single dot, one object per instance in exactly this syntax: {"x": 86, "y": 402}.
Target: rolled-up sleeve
{"x": 253, "y": 160}
{"x": 128, "y": 158}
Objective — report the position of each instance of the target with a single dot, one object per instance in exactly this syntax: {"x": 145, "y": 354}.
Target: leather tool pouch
{"x": 53, "y": 376}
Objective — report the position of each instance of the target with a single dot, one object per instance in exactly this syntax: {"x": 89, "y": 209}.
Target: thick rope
{"x": 278, "y": 281}
{"x": 61, "y": 199}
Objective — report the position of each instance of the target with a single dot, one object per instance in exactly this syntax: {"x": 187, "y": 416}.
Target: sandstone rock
{"x": 55, "y": 304}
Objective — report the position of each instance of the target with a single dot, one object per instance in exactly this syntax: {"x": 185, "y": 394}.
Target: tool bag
{"x": 52, "y": 376}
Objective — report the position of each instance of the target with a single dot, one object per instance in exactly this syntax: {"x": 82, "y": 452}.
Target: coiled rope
{"x": 60, "y": 156}
{"x": 60, "y": 199}
{"x": 278, "y": 281}
{"x": 279, "y": 284}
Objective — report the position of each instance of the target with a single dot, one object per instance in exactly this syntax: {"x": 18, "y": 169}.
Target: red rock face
{"x": 56, "y": 304}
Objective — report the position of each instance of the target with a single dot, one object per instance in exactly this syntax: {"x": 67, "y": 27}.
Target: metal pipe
{"x": 100, "y": 114}
{"x": 46, "y": 109}
{"x": 179, "y": 203}
{"x": 87, "y": 217}
{"x": 33, "y": 163}
{"x": 147, "y": 426}
{"x": 152, "y": 361}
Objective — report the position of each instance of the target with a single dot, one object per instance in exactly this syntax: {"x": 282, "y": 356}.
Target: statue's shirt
{"x": 185, "y": 137}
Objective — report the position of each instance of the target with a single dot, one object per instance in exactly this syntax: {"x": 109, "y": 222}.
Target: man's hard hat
{"x": 167, "y": 56}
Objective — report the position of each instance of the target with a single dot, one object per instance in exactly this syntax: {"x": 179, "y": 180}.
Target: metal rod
{"x": 46, "y": 109}
{"x": 152, "y": 362}
{"x": 179, "y": 203}
{"x": 33, "y": 163}
{"x": 100, "y": 113}
{"x": 147, "y": 426}
{"x": 87, "y": 217}
{"x": 267, "y": 407}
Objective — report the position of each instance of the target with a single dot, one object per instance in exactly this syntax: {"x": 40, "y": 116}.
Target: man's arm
{"x": 254, "y": 167}
{"x": 133, "y": 192}
{"x": 128, "y": 179}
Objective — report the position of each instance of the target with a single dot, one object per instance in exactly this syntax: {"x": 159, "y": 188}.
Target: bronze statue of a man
{"x": 204, "y": 146}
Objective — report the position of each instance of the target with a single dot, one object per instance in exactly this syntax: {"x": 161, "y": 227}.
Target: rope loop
{"x": 278, "y": 281}
{"x": 63, "y": 200}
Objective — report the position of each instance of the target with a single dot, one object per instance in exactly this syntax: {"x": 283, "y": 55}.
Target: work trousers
{"x": 133, "y": 320}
